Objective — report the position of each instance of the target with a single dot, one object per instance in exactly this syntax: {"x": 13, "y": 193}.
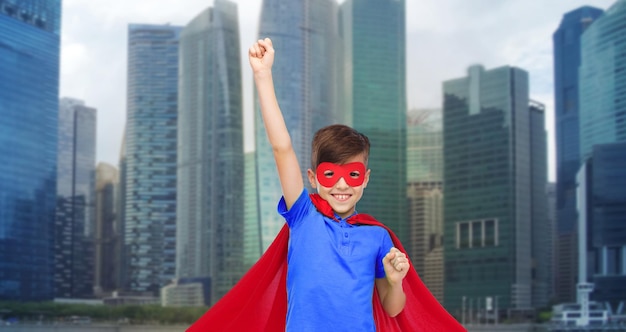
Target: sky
{"x": 444, "y": 38}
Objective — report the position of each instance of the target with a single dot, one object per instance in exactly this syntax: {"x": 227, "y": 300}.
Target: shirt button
{"x": 345, "y": 234}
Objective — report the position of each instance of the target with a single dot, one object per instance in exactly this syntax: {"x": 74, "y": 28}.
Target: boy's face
{"x": 342, "y": 195}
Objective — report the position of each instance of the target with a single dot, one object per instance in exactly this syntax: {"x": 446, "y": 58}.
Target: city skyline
{"x": 495, "y": 155}
{"x": 442, "y": 43}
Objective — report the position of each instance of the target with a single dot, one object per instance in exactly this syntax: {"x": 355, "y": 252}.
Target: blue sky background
{"x": 443, "y": 39}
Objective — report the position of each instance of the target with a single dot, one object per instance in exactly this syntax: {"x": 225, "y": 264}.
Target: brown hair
{"x": 337, "y": 143}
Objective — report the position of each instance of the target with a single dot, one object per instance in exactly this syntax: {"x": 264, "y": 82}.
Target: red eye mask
{"x": 353, "y": 173}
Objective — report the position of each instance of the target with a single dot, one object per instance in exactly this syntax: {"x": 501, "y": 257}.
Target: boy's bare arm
{"x": 261, "y": 56}
{"x": 389, "y": 288}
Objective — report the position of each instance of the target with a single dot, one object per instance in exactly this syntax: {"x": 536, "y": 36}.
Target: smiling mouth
{"x": 342, "y": 197}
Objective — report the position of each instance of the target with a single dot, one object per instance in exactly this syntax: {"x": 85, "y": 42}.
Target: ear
{"x": 312, "y": 180}
{"x": 367, "y": 178}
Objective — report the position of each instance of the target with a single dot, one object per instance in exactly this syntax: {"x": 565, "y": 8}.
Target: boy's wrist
{"x": 394, "y": 283}
{"x": 263, "y": 73}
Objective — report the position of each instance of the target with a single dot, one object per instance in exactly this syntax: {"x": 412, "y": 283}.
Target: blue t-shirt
{"x": 331, "y": 270}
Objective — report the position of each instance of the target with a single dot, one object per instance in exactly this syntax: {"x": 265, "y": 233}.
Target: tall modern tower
{"x": 304, "y": 34}
{"x": 602, "y": 213}
{"x": 120, "y": 202}
{"x": 551, "y": 217}
{"x": 541, "y": 236}
{"x": 210, "y": 192}
{"x": 29, "y": 103}
{"x": 252, "y": 244}
{"x": 489, "y": 182}
{"x": 567, "y": 54}
{"x": 150, "y": 174}
{"x": 603, "y": 151}
{"x": 76, "y": 195}
{"x": 107, "y": 233}
{"x": 603, "y": 80}
{"x": 425, "y": 196}
{"x": 375, "y": 97}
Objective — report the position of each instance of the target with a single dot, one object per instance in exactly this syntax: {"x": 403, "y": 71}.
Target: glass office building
{"x": 540, "y": 226}
{"x": 107, "y": 233}
{"x": 29, "y": 103}
{"x": 76, "y": 194}
{"x": 603, "y": 80}
{"x": 602, "y": 148}
{"x": 488, "y": 187}
{"x": 375, "y": 96}
{"x": 252, "y": 244}
{"x": 425, "y": 196}
{"x": 150, "y": 157}
{"x": 602, "y": 208}
{"x": 304, "y": 35}
{"x": 210, "y": 150}
{"x": 120, "y": 202}
{"x": 567, "y": 53}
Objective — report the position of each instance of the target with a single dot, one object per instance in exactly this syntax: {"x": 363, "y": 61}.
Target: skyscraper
{"x": 567, "y": 53}
{"x": 107, "y": 233}
{"x": 150, "y": 157}
{"x": 425, "y": 196}
{"x": 375, "y": 97}
{"x": 76, "y": 194}
{"x": 29, "y": 100}
{"x": 252, "y": 244}
{"x": 602, "y": 86}
{"x": 551, "y": 215}
{"x": 304, "y": 34}
{"x": 602, "y": 212}
{"x": 489, "y": 181}
{"x": 210, "y": 150}
{"x": 602, "y": 98}
{"x": 541, "y": 229}
{"x": 124, "y": 251}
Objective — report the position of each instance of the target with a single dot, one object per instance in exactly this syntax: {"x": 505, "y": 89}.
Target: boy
{"x": 329, "y": 268}
{"x": 331, "y": 264}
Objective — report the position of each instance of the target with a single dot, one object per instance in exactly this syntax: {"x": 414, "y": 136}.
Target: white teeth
{"x": 342, "y": 197}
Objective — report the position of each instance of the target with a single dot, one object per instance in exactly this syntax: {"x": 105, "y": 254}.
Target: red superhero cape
{"x": 258, "y": 302}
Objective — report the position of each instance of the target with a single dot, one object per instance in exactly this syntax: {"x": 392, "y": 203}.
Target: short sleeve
{"x": 386, "y": 245}
{"x": 301, "y": 207}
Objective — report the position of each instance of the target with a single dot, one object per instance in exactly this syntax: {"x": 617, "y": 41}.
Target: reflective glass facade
{"x": 29, "y": 102}
{"x": 252, "y": 245}
{"x": 75, "y": 215}
{"x": 487, "y": 186}
{"x": 375, "y": 95}
{"x": 567, "y": 54}
{"x": 304, "y": 34}
{"x": 602, "y": 122}
{"x": 107, "y": 233}
{"x": 150, "y": 157}
{"x": 603, "y": 80}
{"x": 540, "y": 225}
{"x": 425, "y": 196}
{"x": 424, "y": 155}
{"x": 210, "y": 150}
{"x": 606, "y": 222}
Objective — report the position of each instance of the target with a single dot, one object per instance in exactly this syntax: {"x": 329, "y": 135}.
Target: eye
{"x": 355, "y": 174}
{"x": 329, "y": 174}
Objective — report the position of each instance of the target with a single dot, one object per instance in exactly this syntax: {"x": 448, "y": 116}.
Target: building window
{"x": 613, "y": 260}
{"x": 463, "y": 235}
{"x": 477, "y": 233}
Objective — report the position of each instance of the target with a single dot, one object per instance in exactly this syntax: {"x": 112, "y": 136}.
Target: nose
{"x": 341, "y": 183}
